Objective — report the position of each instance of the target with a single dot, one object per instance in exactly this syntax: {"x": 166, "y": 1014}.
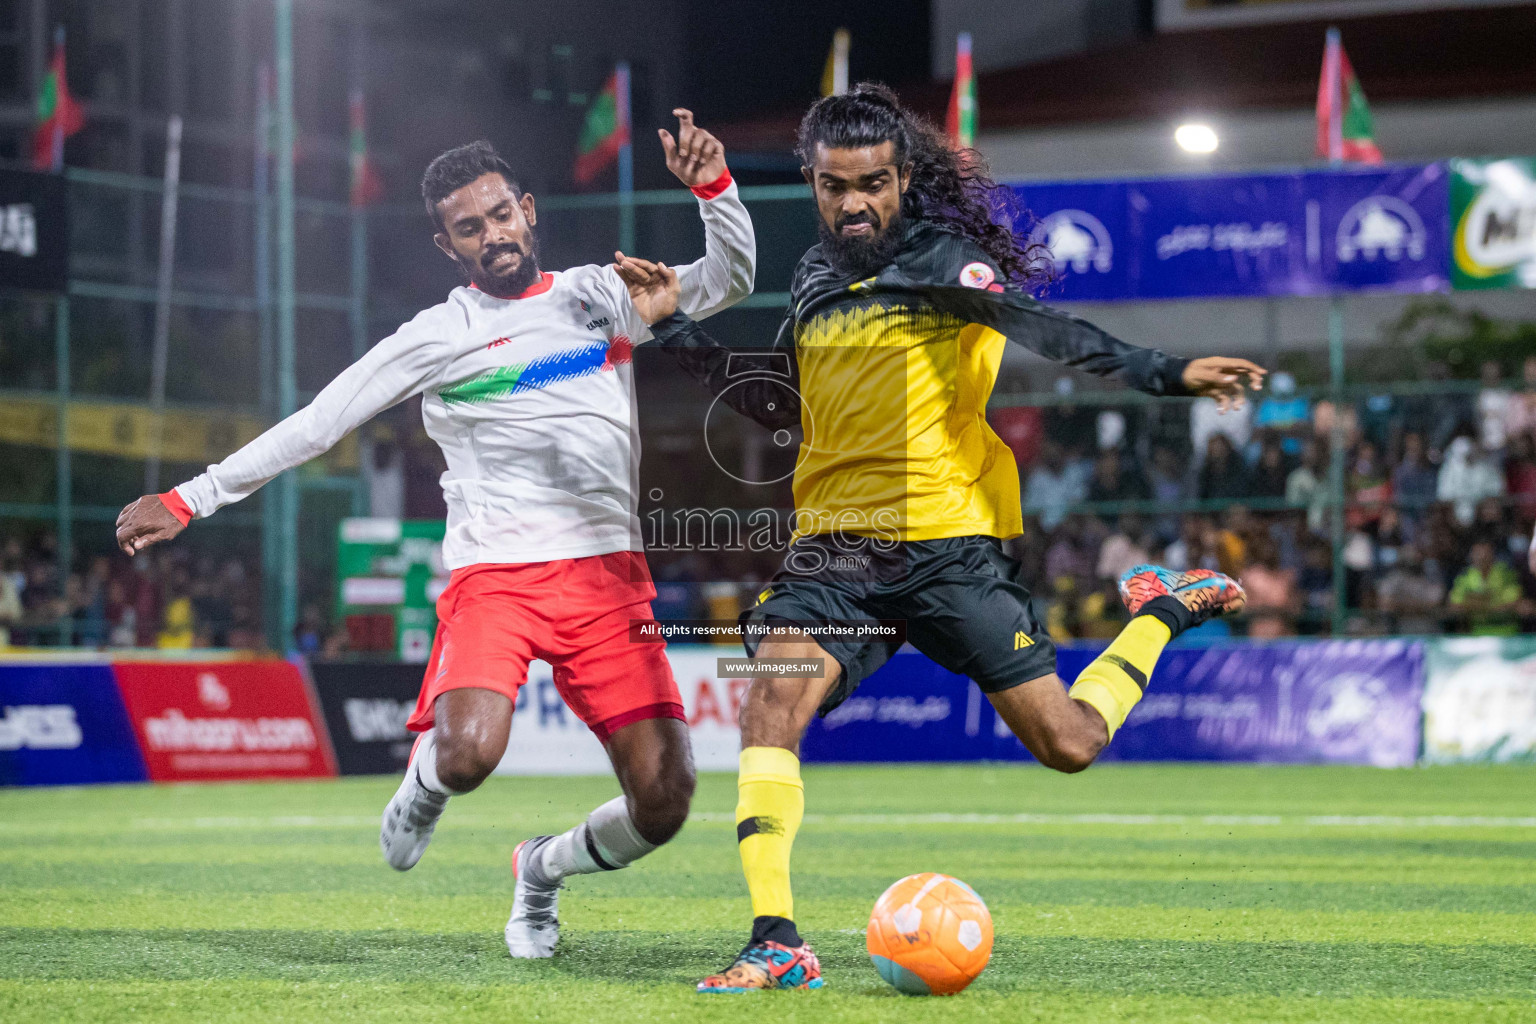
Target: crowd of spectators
{"x": 1439, "y": 492}
{"x": 169, "y": 597}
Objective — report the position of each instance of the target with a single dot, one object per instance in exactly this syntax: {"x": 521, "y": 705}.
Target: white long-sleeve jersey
{"x": 531, "y": 399}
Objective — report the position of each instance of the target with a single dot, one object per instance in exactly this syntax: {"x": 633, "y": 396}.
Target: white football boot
{"x": 534, "y": 927}
{"x": 412, "y": 813}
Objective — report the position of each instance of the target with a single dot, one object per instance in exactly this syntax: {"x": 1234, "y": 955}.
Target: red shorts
{"x": 573, "y": 613}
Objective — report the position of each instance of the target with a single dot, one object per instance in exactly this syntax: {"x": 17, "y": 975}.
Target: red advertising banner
{"x": 222, "y": 720}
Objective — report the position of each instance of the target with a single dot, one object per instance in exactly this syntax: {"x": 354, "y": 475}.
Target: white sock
{"x": 606, "y": 841}
{"x": 426, "y": 765}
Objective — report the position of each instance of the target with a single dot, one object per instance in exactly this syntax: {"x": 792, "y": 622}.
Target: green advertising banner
{"x": 1493, "y": 218}
{"x": 391, "y": 573}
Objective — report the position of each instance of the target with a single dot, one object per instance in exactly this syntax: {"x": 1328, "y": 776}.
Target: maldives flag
{"x": 606, "y": 130}
{"x": 960, "y": 123}
{"x": 58, "y": 113}
{"x": 367, "y": 187}
{"x": 1345, "y": 130}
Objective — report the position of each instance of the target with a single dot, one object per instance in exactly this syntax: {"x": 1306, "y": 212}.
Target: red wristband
{"x": 715, "y": 187}
{"x": 178, "y": 508}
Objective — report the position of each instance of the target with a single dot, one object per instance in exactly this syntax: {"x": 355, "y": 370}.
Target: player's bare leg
{"x": 1066, "y": 729}
{"x": 771, "y": 803}
{"x": 654, "y": 764}
{"x": 1062, "y": 733}
{"x": 465, "y": 745}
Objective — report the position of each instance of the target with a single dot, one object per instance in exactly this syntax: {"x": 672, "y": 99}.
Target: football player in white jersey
{"x": 526, "y": 383}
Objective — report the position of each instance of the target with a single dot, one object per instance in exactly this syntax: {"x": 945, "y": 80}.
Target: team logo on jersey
{"x": 976, "y": 275}
{"x": 585, "y": 308}
{"x": 1022, "y": 640}
{"x": 499, "y": 341}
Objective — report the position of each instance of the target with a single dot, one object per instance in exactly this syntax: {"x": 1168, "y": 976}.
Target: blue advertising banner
{"x": 1302, "y": 233}
{"x": 1347, "y": 701}
{"x": 1219, "y": 236}
{"x": 910, "y": 710}
{"x": 65, "y": 725}
{"x": 1086, "y": 226}
{"x": 1387, "y": 229}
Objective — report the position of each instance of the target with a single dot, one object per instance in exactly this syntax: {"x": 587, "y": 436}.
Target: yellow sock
{"x": 770, "y": 804}
{"x": 1115, "y": 680}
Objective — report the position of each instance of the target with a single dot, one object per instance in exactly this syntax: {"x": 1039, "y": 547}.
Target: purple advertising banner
{"x": 1340, "y": 701}
{"x": 1345, "y": 701}
{"x": 1302, "y": 233}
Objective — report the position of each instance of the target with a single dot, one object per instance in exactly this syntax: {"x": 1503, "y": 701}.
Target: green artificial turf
{"x": 1128, "y": 893}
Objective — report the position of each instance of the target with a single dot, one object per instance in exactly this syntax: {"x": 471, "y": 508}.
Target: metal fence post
{"x": 63, "y": 466}
{"x": 280, "y": 632}
{"x": 1337, "y": 441}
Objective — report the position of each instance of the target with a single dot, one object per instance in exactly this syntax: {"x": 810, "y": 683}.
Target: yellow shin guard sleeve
{"x": 770, "y": 804}
{"x": 1114, "y": 681}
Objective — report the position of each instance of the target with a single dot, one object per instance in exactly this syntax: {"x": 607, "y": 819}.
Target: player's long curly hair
{"x": 952, "y": 187}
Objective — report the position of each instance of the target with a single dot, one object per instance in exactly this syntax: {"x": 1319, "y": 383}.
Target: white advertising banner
{"x": 1183, "y": 15}
{"x": 1480, "y": 699}
{"x": 547, "y": 739}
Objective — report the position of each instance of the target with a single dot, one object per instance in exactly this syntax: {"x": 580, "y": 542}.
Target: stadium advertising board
{"x": 1304, "y": 233}
{"x": 1336, "y": 701}
{"x": 1184, "y": 15}
{"x": 64, "y": 725}
{"x": 205, "y": 721}
{"x": 34, "y": 231}
{"x": 1351, "y": 702}
{"x": 1493, "y": 219}
{"x": 909, "y": 710}
{"x": 1480, "y": 699}
{"x": 547, "y": 739}
{"x": 366, "y": 706}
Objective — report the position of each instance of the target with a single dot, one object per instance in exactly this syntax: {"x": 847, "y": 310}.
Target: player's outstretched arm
{"x": 654, "y": 289}
{"x": 1065, "y": 338}
{"x": 725, "y": 275}
{"x": 399, "y": 366}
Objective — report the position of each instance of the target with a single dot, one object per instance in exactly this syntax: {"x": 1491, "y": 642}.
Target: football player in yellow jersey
{"x": 903, "y": 494}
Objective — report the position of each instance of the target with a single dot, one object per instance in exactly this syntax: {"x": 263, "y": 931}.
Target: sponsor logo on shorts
{"x": 1021, "y": 640}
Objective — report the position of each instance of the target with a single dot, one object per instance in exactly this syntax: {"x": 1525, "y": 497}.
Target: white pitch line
{"x": 1156, "y": 820}
{"x": 714, "y": 817}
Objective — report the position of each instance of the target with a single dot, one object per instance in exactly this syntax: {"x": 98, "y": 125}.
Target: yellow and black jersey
{"x": 892, "y": 376}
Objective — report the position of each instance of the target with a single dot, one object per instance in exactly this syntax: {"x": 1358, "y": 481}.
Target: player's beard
{"x": 860, "y": 256}
{"x": 508, "y": 286}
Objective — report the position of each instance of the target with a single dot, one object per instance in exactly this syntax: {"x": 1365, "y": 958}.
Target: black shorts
{"x": 958, "y": 597}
